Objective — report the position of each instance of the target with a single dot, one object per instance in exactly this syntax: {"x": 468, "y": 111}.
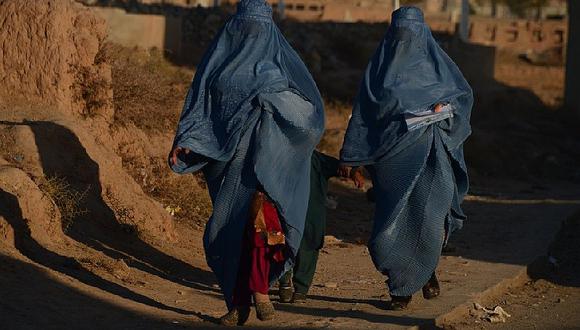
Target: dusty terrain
{"x": 550, "y": 296}
{"x": 97, "y": 233}
{"x": 171, "y": 287}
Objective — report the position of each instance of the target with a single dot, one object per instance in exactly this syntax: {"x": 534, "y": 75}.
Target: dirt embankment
{"x": 57, "y": 146}
{"x": 49, "y": 55}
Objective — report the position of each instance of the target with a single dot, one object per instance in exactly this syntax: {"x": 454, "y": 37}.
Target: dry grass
{"x": 185, "y": 194}
{"x": 148, "y": 91}
{"x": 7, "y": 144}
{"x": 91, "y": 89}
{"x": 66, "y": 198}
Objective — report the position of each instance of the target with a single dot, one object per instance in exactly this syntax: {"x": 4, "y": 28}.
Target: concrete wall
{"x": 142, "y": 30}
{"x": 572, "y": 96}
{"x": 169, "y": 30}
{"x": 342, "y": 12}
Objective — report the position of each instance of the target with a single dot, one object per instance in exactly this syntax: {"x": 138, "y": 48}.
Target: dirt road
{"x": 48, "y": 287}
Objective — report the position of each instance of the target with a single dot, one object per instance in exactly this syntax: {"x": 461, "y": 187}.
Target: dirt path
{"x": 550, "y": 298}
{"x": 45, "y": 289}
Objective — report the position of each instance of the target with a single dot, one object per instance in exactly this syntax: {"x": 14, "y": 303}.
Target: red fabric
{"x": 256, "y": 258}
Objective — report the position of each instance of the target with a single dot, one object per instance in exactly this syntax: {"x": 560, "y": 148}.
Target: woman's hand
{"x": 176, "y": 152}
{"x": 344, "y": 171}
{"x": 353, "y": 173}
{"x": 357, "y": 177}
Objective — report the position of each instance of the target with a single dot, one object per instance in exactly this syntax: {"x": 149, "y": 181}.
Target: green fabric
{"x": 304, "y": 269}
{"x": 323, "y": 168}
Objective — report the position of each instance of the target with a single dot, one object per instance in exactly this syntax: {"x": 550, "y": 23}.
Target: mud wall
{"x": 52, "y": 59}
{"x": 55, "y": 121}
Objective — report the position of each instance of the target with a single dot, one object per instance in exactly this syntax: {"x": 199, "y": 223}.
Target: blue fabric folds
{"x": 253, "y": 115}
{"x": 419, "y": 175}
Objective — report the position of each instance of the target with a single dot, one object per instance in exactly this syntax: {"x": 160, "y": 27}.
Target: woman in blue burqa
{"x": 408, "y": 126}
{"x": 251, "y": 120}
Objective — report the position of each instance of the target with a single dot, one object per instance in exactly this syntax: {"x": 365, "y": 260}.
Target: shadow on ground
{"x": 29, "y": 247}
{"x": 61, "y": 306}
{"x": 62, "y": 155}
{"x": 499, "y": 229}
{"x": 562, "y": 264}
{"x": 355, "y": 315}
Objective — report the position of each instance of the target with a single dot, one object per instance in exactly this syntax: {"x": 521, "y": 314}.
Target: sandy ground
{"x": 173, "y": 288}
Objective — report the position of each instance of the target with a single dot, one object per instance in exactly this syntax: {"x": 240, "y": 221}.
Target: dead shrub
{"x": 148, "y": 90}
{"x": 185, "y": 196}
{"x": 91, "y": 90}
{"x": 65, "y": 197}
{"x": 7, "y": 144}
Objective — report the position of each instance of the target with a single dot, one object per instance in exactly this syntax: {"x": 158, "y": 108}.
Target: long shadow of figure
{"x": 425, "y": 323}
{"x": 62, "y": 155}
{"x": 32, "y": 299}
{"x": 28, "y": 246}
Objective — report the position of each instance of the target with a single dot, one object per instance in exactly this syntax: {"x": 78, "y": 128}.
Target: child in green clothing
{"x": 294, "y": 285}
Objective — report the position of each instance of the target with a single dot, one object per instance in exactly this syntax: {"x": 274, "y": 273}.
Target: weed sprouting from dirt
{"x": 67, "y": 199}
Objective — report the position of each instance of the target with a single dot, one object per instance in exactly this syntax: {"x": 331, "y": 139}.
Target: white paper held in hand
{"x": 423, "y": 118}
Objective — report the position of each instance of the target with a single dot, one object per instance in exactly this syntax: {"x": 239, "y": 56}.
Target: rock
{"x": 495, "y": 315}
{"x": 331, "y": 285}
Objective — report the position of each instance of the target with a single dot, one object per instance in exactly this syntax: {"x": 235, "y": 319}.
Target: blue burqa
{"x": 419, "y": 175}
{"x": 253, "y": 115}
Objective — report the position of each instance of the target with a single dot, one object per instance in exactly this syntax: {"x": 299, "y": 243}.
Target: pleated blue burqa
{"x": 253, "y": 115}
{"x": 419, "y": 175}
